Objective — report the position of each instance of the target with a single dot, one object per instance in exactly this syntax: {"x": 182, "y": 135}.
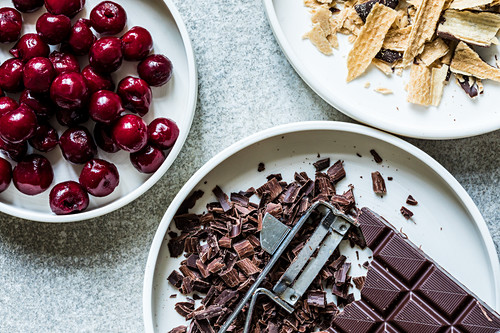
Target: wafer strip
{"x": 397, "y": 39}
{"x": 370, "y": 40}
{"x": 471, "y": 27}
{"x": 423, "y": 29}
{"x": 419, "y": 87}
{"x": 438, "y": 81}
{"x": 434, "y": 51}
{"x": 467, "y": 4}
{"x": 467, "y": 62}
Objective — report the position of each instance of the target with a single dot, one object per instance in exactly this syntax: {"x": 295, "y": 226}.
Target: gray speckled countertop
{"x": 88, "y": 276}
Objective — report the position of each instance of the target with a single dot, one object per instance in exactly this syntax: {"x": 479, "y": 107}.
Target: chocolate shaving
{"x": 316, "y": 299}
{"x": 248, "y": 267}
{"x": 261, "y": 167}
{"x": 175, "y": 278}
{"x": 222, "y": 198}
{"x": 179, "y": 329}
{"x": 378, "y": 183}
{"x": 364, "y": 9}
{"x": 389, "y": 56}
{"x": 244, "y": 249}
{"x": 322, "y": 164}
{"x": 190, "y": 202}
{"x": 359, "y": 281}
{"x": 406, "y": 212}
{"x": 184, "y": 308}
{"x": 376, "y": 156}
{"x": 411, "y": 201}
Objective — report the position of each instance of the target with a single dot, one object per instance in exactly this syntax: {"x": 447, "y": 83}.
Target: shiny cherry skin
{"x": 162, "y": 133}
{"x": 72, "y": 117}
{"x": 7, "y": 104}
{"x": 136, "y": 44}
{"x": 27, "y": 6}
{"x": 99, "y": 177}
{"x": 11, "y": 75}
{"x": 69, "y": 91}
{"x": 148, "y": 160}
{"x": 156, "y": 70}
{"x": 103, "y": 135}
{"x": 66, "y": 7}
{"x": 130, "y": 133}
{"x": 38, "y": 74}
{"x": 105, "y": 106}
{"x": 77, "y": 145}
{"x": 108, "y": 18}
{"x": 81, "y": 37}
{"x": 97, "y": 81}
{"x": 106, "y": 55}
{"x": 53, "y": 29}
{"x": 45, "y": 138}
{"x": 18, "y": 125}
{"x": 39, "y": 102}
{"x": 33, "y": 175}
{"x": 68, "y": 197}
{"x": 30, "y": 46}
{"x": 15, "y": 151}
{"x": 5, "y": 174}
{"x": 136, "y": 94}
{"x": 11, "y": 23}
{"x": 64, "y": 62}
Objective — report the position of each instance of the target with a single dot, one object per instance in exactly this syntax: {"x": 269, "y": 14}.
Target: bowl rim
{"x": 342, "y": 106}
{"x": 157, "y": 175}
{"x": 215, "y": 161}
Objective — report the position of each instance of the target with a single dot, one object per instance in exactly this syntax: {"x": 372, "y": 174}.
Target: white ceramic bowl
{"x": 458, "y": 116}
{"x": 175, "y": 100}
{"x": 448, "y": 225}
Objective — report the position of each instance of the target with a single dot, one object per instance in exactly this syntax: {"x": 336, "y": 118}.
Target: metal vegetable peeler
{"x": 275, "y": 238}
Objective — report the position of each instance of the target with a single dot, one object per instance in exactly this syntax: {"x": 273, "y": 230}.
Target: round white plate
{"x": 457, "y": 116}
{"x": 175, "y": 100}
{"x": 447, "y": 225}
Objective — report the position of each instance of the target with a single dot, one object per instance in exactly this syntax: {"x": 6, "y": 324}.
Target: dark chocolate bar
{"x": 406, "y": 291}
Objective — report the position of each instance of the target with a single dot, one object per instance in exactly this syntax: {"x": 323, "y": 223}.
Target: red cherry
{"x": 33, "y": 175}
{"x": 38, "y": 74}
{"x": 27, "y": 6}
{"x": 136, "y": 94}
{"x": 156, "y": 70}
{"x": 40, "y": 103}
{"x": 5, "y": 174}
{"x": 69, "y": 91}
{"x": 97, "y": 81}
{"x": 77, "y": 145}
{"x": 45, "y": 138}
{"x": 105, "y": 106}
{"x": 66, "y": 7}
{"x": 64, "y": 62}
{"x": 7, "y": 104}
{"x": 106, "y": 55}
{"x": 11, "y": 75}
{"x": 68, "y": 197}
{"x": 99, "y": 177}
{"x": 108, "y": 18}
{"x": 148, "y": 160}
{"x": 53, "y": 29}
{"x": 136, "y": 44}
{"x": 103, "y": 137}
{"x": 130, "y": 133}
{"x": 163, "y": 133}
{"x": 15, "y": 151}
{"x": 18, "y": 125}
{"x": 81, "y": 38}
{"x": 11, "y": 23}
{"x": 30, "y": 46}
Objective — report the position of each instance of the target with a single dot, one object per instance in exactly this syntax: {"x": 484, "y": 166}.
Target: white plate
{"x": 457, "y": 116}
{"x": 463, "y": 246}
{"x": 175, "y": 100}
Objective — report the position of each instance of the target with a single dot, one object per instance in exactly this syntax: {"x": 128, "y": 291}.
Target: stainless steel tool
{"x": 275, "y": 238}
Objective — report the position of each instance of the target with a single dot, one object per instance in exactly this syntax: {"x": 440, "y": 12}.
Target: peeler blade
{"x": 272, "y": 234}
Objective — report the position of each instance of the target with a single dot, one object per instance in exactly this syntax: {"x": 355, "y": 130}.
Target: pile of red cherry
{"x": 52, "y": 84}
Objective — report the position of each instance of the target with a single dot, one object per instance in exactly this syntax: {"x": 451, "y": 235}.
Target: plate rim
{"x": 156, "y": 176}
{"x": 421, "y": 133}
{"x": 285, "y": 129}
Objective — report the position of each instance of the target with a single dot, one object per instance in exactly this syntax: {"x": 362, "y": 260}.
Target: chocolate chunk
{"x": 336, "y": 172}
{"x": 201, "y": 286}
{"x": 359, "y": 281}
{"x": 230, "y": 277}
{"x": 390, "y": 178}
{"x": 248, "y": 267}
{"x": 470, "y": 89}
{"x": 275, "y": 175}
{"x": 389, "y": 56}
{"x": 216, "y": 265}
{"x": 176, "y": 246}
{"x": 179, "y": 329}
{"x": 341, "y": 274}
{"x": 261, "y": 167}
{"x": 406, "y": 212}
{"x": 210, "y": 312}
{"x": 272, "y": 187}
{"x": 187, "y": 222}
{"x": 190, "y": 202}
{"x": 175, "y": 278}
{"x": 316, "y": 299}
{"x": 364, "y": 9}
{"x": 222, "y": 198}
{"x": 411, "y": 201}
{"x": 244, "y": 249}
{"x": 376, "y": 156}
{"x": 378, "y": 183}
{"x": 184, "y": 308}
{"x": 322, "y": 164}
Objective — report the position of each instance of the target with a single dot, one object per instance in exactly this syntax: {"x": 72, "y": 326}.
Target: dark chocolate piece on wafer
{"x": 406, "y": 291}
